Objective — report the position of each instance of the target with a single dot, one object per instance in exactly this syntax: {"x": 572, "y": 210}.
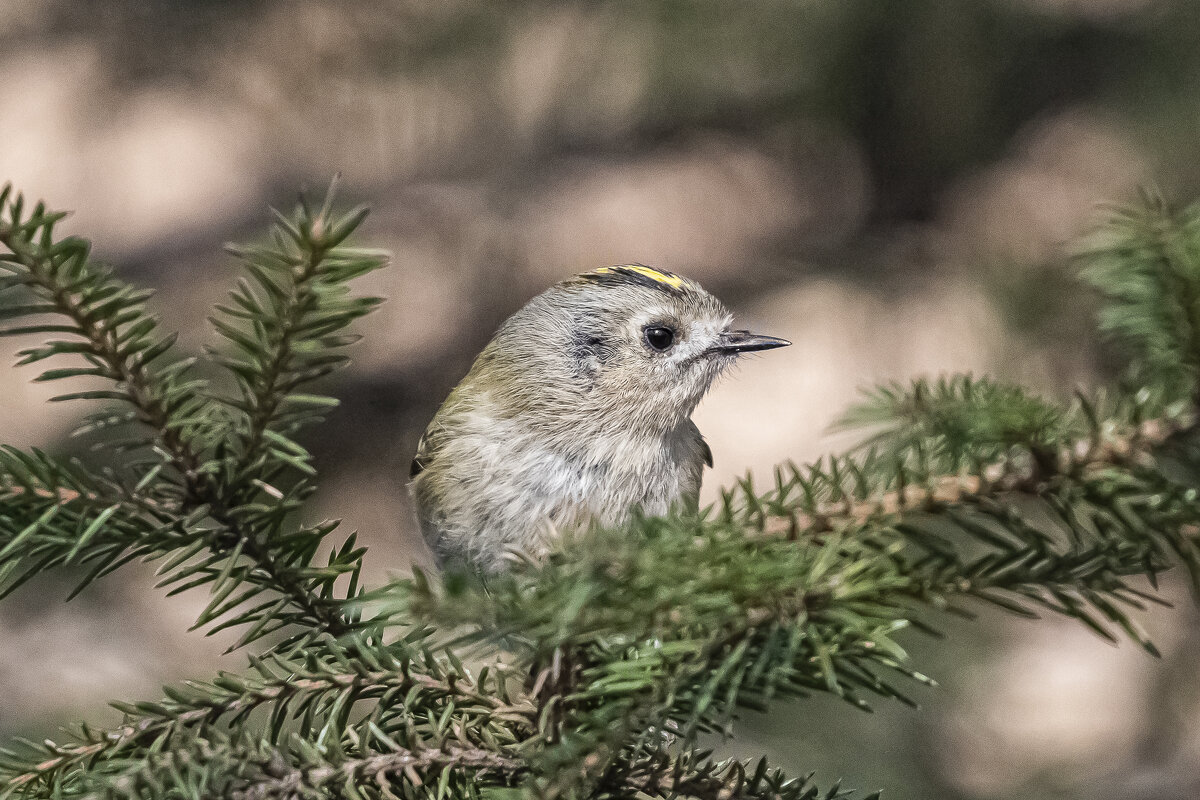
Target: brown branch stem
{"x": 382, "y": 768}
{"x": 1132, "y": 447}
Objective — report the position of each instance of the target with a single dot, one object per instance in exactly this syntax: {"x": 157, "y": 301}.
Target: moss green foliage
{"x": 605, "y": 662}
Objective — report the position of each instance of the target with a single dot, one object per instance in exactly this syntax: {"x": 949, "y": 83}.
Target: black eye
{"x": 659, "y": 337}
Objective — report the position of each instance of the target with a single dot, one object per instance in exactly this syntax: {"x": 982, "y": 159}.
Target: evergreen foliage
{"x": 602, "y": 665}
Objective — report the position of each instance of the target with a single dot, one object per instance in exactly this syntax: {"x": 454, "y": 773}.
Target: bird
{"x": 576, "y": 413}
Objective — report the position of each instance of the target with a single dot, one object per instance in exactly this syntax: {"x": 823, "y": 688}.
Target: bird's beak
{"x": 745, "y": 342}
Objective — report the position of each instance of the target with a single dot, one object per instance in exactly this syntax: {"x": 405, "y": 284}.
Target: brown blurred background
{"x": 888, "y": 183}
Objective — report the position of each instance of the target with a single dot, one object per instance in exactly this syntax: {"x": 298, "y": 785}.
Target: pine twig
{"x": 381, "y": 769}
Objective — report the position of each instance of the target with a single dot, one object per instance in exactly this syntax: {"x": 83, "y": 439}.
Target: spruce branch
{"x": 286, "y": 326}
{"x": 896, "y": 472}
{"x": 623, "y": 645}
{"x": 232, "y": 508}
{"x": 241, "y": 767}
{"x": 1145, "y": 261}
{"x": 803, "y": 588}
{"x": 54, "y": 513}
{"x": 958, "y": 423}
{"x": 384, "y": 770}
{"x": 696, "y": 775}
{"x": 114, "y": 332}
{"x": 302, "y": 698}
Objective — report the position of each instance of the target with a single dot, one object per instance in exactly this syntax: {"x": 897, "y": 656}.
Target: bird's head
{"x": 639, "y": 345}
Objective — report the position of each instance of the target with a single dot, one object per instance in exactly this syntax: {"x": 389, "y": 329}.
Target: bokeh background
{"x": 891, "y": 184}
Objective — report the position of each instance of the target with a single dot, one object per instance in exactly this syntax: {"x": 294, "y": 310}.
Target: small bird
{"x": 576, "y": 413}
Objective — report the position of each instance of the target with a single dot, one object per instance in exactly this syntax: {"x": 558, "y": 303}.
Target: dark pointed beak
{"x": 746, "y": 342}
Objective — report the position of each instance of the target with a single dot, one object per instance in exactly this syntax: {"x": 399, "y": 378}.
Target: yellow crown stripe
{"x": 665, "y": 278}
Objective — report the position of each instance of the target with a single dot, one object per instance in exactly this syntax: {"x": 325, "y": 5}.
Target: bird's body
{"x": 573, "y": 415}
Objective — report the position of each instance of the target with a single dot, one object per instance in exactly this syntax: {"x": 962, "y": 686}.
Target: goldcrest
{"x": 576, "y": 413}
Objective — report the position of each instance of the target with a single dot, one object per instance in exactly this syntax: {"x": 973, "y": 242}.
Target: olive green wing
{"x": 702, "y": 447}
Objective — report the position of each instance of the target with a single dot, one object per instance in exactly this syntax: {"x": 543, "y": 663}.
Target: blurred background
{"x": 891, "y": 184}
